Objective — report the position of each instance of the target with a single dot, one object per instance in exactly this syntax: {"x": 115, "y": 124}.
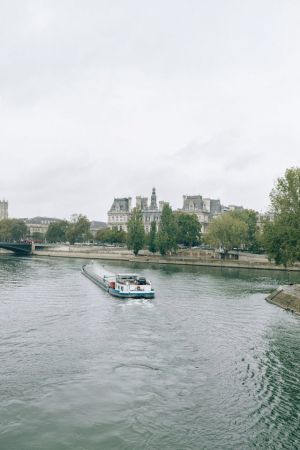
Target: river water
{"x": 208, "y": 364}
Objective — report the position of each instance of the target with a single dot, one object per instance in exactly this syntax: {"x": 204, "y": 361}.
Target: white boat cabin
{"x": 131, "y": 282}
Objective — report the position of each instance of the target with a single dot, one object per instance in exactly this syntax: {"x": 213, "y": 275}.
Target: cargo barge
{"x": 122, "y": 285}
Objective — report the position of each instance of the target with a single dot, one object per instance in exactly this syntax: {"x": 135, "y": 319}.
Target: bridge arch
{"x": 21, "y": 248}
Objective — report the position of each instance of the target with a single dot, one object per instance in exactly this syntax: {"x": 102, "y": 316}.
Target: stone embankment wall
{"x": 287, "y": 297}
{"x": 194, "y": 257}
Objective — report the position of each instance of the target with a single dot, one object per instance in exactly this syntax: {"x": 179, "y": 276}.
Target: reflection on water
{"x": 207, "y": 364}
{"x": 277, "y": 389}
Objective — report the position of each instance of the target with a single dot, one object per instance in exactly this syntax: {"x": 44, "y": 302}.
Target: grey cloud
{"x": 216, "y": 146}
{"x": 48, "y": 44}
{"x": 243, "y": 161}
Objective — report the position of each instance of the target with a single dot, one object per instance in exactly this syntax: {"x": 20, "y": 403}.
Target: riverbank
{"x": 287, "y": 297}
{"x": 185, "y": 257}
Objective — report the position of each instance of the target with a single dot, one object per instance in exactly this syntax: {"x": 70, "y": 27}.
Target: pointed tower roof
{"x": 153, "y": 199}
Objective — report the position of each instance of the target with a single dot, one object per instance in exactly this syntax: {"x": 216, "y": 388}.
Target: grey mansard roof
{"x": 192, "y": 202}
{"x": 41, "y": 220}
{"x": 121, "y": 205}
{"x": 97, "y": 225}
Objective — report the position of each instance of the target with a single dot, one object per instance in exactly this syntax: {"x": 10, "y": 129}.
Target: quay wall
{"x": 287, "y": 297}
{"x": 185, "y": 257}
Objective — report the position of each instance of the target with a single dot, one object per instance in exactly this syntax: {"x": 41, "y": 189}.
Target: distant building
{"x": 193, "y": 203}
{"x": 152, "y": 213}
{"x": 96, "y": 226}
{"x": 213, "y": 206}
{"x": 119, "y": 213}
{"x": 3, "y": 209}
{"x": 121, "y": 210}
{"x": 235, "y": 208}
{"x": 204, "y": 208}
{"x": 39, "y": 224}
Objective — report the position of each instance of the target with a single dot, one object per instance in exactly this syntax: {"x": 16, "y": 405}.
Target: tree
{"x": 281, "y": 231}
{"x": 111, "y": 236}
{"x": 78, "y": 230}
{"x": 226, "y": 232}
{"x": 249, "y": 217}
{"x": 189, "y": 230}
{"x": 18, "y": 229}
{"x": 117, "y": 236}
{"x": 57, "y": 231}
{"x": 103, "y": 235}
{"x": 136, "y": 232}
{"x": 276, "y": 242}
{"x": 13, "y": 229}
{"x": 37, "y": 235}
{"x": 167, "y": 234}
{"x": 5, "y": 230}
{"x": 152, "y": 246}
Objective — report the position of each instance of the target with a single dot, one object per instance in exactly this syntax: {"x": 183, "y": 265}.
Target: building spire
{"x": 153, "y": 199}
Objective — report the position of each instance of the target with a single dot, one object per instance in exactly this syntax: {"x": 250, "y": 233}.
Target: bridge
{"x": 20, "y": 248}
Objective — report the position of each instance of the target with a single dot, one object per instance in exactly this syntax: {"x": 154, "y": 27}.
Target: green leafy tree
{"x": 37, "y": 235}
{"x": 111, "y": 236}
{"x": 13, "y": 229}
{"x": 18, "y": 229}
{"x": 117, "y": 236}
{"x": 276, "y": 241}
{"x": 78, "y": 230}
{"x": 167, "y": 234}
{"x": 5, "y": 230}
{"x": 226, "y": 232}
{"x": 250, "y": 218}
{"x": 57, "y": 231}
{"x": 136, "y": 232}
{"x": 281, "y": 231}
{"x": 103, "y": 235}
{"x": 152, "y": 246}
{"x": 189, "y": 230}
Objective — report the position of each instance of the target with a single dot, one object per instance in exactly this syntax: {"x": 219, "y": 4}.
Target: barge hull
{"x": 118, "y": 294}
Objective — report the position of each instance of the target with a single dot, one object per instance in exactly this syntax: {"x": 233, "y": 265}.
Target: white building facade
{"x": 204, "y": 208}
{"x": 39, "y": 225}
{"x": 121, "y": 210}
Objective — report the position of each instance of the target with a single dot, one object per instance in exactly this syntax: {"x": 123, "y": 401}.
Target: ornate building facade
{"x": 39, "y": 225}
{"x": 120, "y": 213}
{"x": 204, "y": 208}
{"x": 121, "y": 210}
{"x": 3, "y": 209}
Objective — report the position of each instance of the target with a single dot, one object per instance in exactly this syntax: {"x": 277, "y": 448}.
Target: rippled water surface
{"x": 207, "y": 364}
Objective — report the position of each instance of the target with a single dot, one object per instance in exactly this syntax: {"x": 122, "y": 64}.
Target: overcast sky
{"x": 102, "y": 99}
